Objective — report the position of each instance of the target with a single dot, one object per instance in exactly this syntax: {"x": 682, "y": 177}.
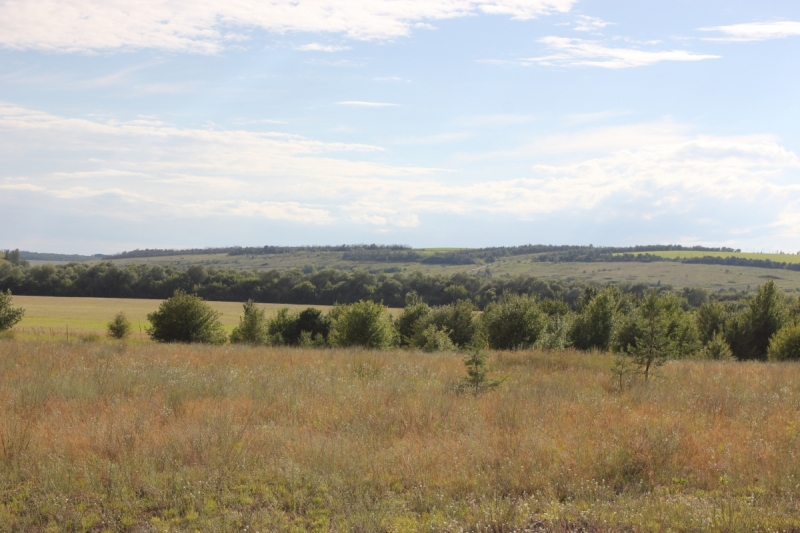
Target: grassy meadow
{"x": 50, "y": 317}
{"x": 145, "y": 437}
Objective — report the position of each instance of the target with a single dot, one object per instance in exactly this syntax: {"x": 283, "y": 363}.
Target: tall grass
{"x": 116, "y": 437}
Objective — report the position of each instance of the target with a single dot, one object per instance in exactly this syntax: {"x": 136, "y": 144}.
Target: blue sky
{"x": 431, "y": 123}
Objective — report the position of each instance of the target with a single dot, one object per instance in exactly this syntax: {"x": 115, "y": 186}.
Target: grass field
{"x": 685, "y": 254}
{"x": 47, "y": 316}
{"x": 116, "y": 437}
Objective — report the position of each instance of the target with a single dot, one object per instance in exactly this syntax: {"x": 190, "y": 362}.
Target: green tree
{"x": 765, "y": 315}
{"x": 717, "y": 349}
{"x": 120, "y": 327}
{"x": 477, "y": 378}
{"x": 651, "y": 327}
{"x": 9, "y": 316}
{"x": 455, "y": 319}
{"x": 711, "y": 319}
{"x": 15, "y": 258}
{"x": 414, "y": 311}
{"x": 363, "y": 323}
{"x": 186, "y": 318}
{"x": 433, "y": 339}
{"x": 785, "y": 345}
{"x": 593, "y": 325}
{"x": 287, "y": 327}
{"x": 513, "y": 322}
{"x": 252, "y": 328}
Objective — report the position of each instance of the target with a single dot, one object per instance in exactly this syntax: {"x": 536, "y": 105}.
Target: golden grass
{"x": 116, "y": 437}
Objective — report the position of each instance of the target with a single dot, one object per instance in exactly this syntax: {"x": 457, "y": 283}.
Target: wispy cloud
{"x": 206, "y": 26}
{"x": 586, "y": 23}
{"x": 317, "y": 47}
{"x": 755, "y": 31}
{"x": 586, "y": 53}
{"x": 360, "y": 103}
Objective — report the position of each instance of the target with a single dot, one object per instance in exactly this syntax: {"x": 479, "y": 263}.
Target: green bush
{"x": 717, "y": 349}
{"x": 593, "y": 325}
{"x": 433, "y": 339}
{"x": 766, "y": 314}
{"x": 9, "y": 316}
{"x": 513, "y": 322}
{"x": 252, "y": 328}
{"x": 364, "y": 324}
{"x": 185, "y": 318}
{"x": 287, "y": 327}
{"x": 455, "y": 319}
{"x": 785, "y": 345}
{"x": 414, "y": 311}
{"x": 120, "y": 327}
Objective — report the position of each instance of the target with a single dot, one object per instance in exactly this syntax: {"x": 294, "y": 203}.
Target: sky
{"x": 463, "y": 123}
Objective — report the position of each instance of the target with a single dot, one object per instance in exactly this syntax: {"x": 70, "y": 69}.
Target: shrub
{"x": 765, "y": 315}
{"x": 717, "y": 349}
{"x": 185, "y": 318}
{"x": 785, "y": 345}
{"x": 513, "y": 322}
{"x": 594, "y": 323}
{"x": 120, "y": 327}
{"x": 433, "y": 339}
{"x": 556, "y": 334}
{"x": 9, "y": 316}
{"x": 454, "y": 319}
{"x": 364, "y": 324}
{"x": 414, "y": 311}
{"x": 252, "y": 328}
{"x": 477, "y": 379}
{"x": 287, "y": 327}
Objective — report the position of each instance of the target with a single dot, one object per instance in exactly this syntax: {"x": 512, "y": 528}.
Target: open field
{"x": 106, "y": 437}
{"x": 49, "y": 316}
{"x": 686, "y": 254}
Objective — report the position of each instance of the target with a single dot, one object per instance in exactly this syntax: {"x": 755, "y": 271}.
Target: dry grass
{"x": 106, "y": 437}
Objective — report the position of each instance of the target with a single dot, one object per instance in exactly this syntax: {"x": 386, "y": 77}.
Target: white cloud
{"x": 580, "y": 52}
{"x": 317, "y": 47}
{"x": 586, "y": 23}
{"x": 145, "y": 169}
{"x": 359, "y": 103}
{"x": 205, "y": 25}
{"x": 755, "y": 31}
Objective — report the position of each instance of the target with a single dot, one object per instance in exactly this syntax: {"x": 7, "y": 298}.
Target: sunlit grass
{"x": 125, "y": 437}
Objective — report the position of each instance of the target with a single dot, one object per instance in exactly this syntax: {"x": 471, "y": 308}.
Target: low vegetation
{"x": 150, "y": 437}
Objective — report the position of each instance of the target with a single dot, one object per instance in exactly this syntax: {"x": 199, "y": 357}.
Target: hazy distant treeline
{"x": 323, "y": 287}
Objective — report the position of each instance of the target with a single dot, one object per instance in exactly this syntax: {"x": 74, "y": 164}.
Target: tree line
{"x": 295, "y": 286}
{"x": 643, "y": 329}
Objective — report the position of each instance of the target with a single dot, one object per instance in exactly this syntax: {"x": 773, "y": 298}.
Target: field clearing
{"x": 51, "y": 316}
{"x": 684, "y": 254}
{"x": 127, "y": 437}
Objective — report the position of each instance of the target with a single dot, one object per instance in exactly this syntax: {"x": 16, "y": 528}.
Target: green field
{"x": 47, "y": 316}
{"x": 684, "y": 254}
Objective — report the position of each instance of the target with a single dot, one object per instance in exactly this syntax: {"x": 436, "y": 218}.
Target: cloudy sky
{"x": 192, "y": 123}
